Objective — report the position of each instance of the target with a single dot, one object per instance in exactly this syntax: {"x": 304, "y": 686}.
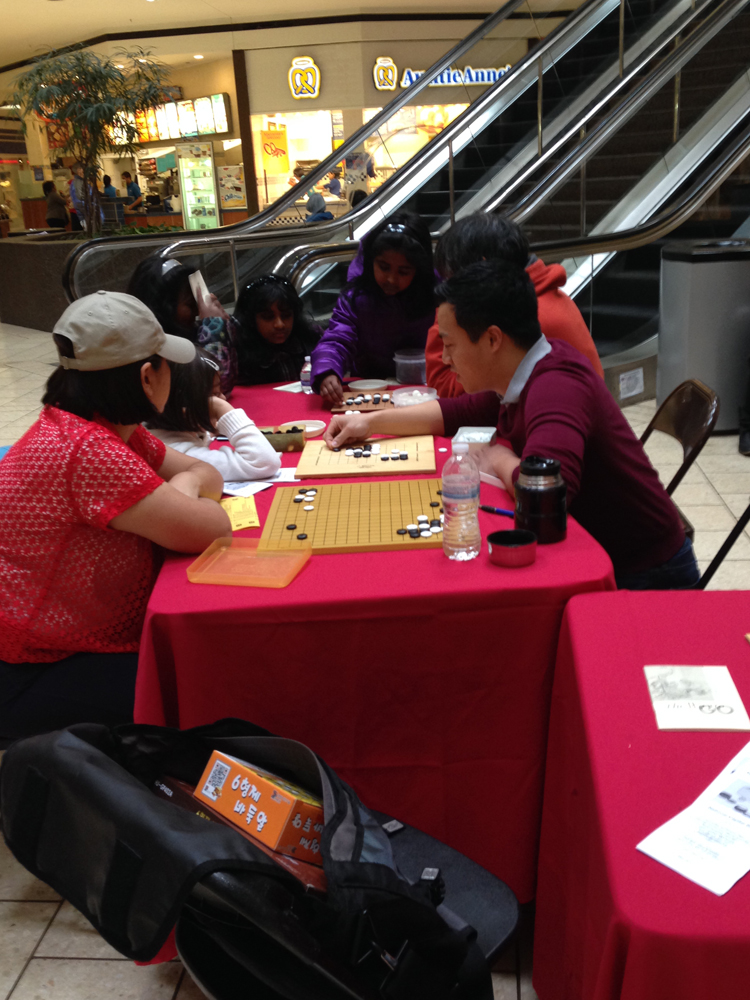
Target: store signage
{"x": 179, "y": 120}
{"x": 385, "y": 74}
{"x": 275, "y": 152}
{"x": 304, "y": 78}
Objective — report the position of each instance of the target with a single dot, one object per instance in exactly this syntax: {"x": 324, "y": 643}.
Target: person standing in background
{"x": 134, "y": 192}
{"x": 57, "y": 212}
{"x": 76, "y": 217}
{"x": 108, "y": 188}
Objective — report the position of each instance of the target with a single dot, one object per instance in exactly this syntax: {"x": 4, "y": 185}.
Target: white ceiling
{"x": 31, "y": 27}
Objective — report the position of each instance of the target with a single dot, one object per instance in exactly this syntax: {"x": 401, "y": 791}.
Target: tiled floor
{"x": 48, "y": 951}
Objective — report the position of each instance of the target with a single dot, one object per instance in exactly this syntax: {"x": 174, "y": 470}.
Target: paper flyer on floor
{"x": 709, "y": 842}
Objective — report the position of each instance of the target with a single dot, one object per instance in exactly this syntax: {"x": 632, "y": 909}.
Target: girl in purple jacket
{"x": 387, "y": 305}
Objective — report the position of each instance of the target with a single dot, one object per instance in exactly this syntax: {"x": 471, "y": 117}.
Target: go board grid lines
{"x": 319, "y": 461}
{"x": 353, "y": 517}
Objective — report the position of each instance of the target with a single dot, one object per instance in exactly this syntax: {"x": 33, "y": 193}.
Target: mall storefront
{"x": 306, "y": 101}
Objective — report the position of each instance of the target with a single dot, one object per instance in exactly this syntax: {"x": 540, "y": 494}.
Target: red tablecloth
{"x": 424, "y": 682}
{"x": 612, "y": 922}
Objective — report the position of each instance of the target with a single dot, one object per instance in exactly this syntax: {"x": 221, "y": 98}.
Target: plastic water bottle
{"x": 461, "y": 537}
{"x": 305, "y": 375}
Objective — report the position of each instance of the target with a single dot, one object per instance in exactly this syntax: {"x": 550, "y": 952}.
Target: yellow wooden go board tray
{"x": 353, "y": 517}
{"x": 320, "y": 462}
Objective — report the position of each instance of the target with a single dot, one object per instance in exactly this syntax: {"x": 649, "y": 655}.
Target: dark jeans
{"x": 678, "y": 573}
{"x": 75, "y": 223}
{"x": 56, "y": 223}
{"x": 87, "y": 687}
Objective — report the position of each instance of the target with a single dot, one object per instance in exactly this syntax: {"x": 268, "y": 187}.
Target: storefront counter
{"x": 142, "y": 220}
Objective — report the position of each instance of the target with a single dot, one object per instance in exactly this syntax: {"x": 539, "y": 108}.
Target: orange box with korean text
{"x": 279, "y": 814}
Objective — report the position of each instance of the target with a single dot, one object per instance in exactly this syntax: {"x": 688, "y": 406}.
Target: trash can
{"x": 704, "y": 321}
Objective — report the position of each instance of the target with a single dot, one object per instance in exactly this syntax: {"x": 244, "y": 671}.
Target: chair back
{"x": 689, "y": 414}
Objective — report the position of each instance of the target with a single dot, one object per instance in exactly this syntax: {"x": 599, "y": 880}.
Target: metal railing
{"x": 298, "y": 267}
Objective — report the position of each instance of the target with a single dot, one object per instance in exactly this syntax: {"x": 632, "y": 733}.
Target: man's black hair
{"x": 106, "y": 180}
{"x": 115, "y": 393}
{"x": 48, "y": 186}
{"x": 187, "y": 407}
{"x": 409, "y": 235}
{"x": 481, "y": 237}
{"x": 158, "y": 284}
{"x": 493, "y": 293}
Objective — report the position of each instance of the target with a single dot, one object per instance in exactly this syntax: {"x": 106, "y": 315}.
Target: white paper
{"x": 695, "y": 698}
{"x": 198, "y": 283}
{"x": 245, "y": 489}
{"x": 289, "y": 387}
{"x": 250, "y": 488}
{"x": 709, "y": 842}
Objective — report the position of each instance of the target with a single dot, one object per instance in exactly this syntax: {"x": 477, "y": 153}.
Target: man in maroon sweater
{"x": 545, "y": 399}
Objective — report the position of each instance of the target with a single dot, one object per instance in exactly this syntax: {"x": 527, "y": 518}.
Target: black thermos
{"x": 540, "y": 499}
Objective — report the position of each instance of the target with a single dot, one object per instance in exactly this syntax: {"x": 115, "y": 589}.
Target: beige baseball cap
{"x": 112, "y": 329}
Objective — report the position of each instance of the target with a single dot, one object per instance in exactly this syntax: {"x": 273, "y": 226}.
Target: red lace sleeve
{"x": 149, "y": 447}
{"x": 106, "y": 477}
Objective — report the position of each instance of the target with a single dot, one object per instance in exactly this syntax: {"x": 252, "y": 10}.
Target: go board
{"x": 320, "y": 462}
{"x": 353, "y": 517}
{"x": 363, "y": 407}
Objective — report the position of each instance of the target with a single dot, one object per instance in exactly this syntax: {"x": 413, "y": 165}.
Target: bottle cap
{"x": 461, "y": 448}
{"x": 535, "y": 465}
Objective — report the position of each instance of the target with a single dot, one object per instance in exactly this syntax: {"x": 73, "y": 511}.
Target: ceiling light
{"x": 197, "y": 57}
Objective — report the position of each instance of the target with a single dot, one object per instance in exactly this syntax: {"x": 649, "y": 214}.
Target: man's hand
{"x": 332, "y": 391}
{"x": 346, "y": 427}
{"x": 210, "y": 306}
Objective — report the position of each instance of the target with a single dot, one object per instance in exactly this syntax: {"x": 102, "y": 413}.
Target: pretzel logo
{"x": 304, "y": 78}
{"x": 271, "y": 149}
{"x": 384, "y": 73}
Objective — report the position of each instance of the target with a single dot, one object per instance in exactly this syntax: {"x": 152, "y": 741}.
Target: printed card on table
{"x": 695, "y": 698}
{"x": 242, "y": 512}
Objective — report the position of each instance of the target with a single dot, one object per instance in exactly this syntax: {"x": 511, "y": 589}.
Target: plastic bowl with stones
{"x": 413, "y": 396}
{"x": 512, "y": 549}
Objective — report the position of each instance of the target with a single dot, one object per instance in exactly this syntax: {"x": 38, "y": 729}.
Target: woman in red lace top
{"x": 85, "y": 495}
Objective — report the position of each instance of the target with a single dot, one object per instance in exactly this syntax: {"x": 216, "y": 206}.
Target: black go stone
{"x": 434, "y": 503}
{"x": 385, "y": 458}
{"x": 337, "y": 449}
{"x": 414, "y": 534}
{"x": 401, "y": 531}
{"x": 404, "y": 458}
{"x": 439, "y": 492}
{"x": 291, "y": 527}
{"x": 302, "y": 536}
{"x": 435, "y": 522}
{"x": 358, "y": 453}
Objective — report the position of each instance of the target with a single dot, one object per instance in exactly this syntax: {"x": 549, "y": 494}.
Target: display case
{"x": 200, "y": 203}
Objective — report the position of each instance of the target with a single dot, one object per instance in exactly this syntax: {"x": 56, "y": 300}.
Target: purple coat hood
{"x": 365, "y": 332}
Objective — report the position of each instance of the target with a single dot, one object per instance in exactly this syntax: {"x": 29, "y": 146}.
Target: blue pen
{"x": 496, "y": 510}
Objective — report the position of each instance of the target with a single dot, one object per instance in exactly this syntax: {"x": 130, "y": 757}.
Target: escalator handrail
{"x": 250, "y": 228}
{"x": 584, "y": 246}
{"x": 665, "y": 70}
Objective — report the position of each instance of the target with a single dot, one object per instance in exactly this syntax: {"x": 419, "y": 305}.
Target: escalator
{"x": 567, "y": 70}
{"x": 607, "y": 128}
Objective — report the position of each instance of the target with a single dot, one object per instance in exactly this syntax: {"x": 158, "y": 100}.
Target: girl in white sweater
{"x": 197, "y": 411}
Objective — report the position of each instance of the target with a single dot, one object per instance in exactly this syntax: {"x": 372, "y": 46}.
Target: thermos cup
{"x": 540, "y": 499}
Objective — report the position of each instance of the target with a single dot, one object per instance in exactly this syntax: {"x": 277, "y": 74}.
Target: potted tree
{"x": 89, "y": 103}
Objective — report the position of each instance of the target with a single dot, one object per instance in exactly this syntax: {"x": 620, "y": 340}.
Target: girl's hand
{"x": 210, "y": 307}
{"x": 332, "y": 391}
{"x": 347, "y": 427}
{"x": 217, "y": 407}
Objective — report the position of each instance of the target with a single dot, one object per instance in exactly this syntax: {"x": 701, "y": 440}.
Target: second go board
{"x": 319, "y": 461}
{"x": 354, "y": 517}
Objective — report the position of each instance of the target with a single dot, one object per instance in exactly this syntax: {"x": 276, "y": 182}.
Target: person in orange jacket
{"x": 492, "y": 237}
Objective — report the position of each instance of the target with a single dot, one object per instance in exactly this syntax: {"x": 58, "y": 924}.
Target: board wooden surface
{"x": 318, "y": 461}
{"x": 353, "y": 517}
